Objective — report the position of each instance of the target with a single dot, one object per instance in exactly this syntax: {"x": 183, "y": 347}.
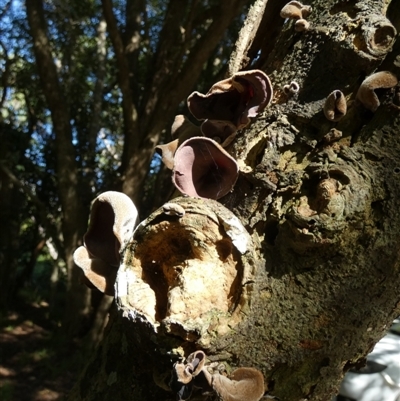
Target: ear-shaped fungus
{"x": 244, "y": 384}
{"x": 203, "y": 169}
{"x": 366, "y": 92}
{"x": 223, "y": 132}
{"x": 297, "y": 11}
{"x": 113, "y": 217}
{"x": 234, "y": 100}
{"x": 292, "y": 10}
{"x": 181, "y": 130}
{"x": 301, "y": 25}
{"x": 335, "y": 106}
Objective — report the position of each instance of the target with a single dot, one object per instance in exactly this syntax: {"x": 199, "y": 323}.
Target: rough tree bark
{"x": 315, "y": 283}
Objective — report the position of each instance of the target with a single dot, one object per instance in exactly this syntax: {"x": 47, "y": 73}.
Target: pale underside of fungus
{"x": 113, "y": 218}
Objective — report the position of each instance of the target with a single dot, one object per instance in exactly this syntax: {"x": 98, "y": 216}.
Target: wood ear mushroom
{"x": 113, "y": 218}
{"x": 366, "y": 92}
{"x": 335, "y": 106}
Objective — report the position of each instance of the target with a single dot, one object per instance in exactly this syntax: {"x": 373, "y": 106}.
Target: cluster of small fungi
{"x": 243, "y": 384}
{"x": 336, "y": 106}
{"x": 298, "y": 12}
{"x": 200, "y": 165}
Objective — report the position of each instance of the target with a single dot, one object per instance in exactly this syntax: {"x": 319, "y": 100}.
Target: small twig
{"x": 239, "y": 59}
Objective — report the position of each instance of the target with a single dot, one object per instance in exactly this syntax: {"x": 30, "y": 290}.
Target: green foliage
{"x": 6, "y": 391}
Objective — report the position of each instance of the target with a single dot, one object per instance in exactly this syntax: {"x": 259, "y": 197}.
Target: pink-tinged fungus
{"x": 366, "y": 92}
{"x": 202, "y": 168}
{"x": 234, "y": 100}
{"x": 113, "y": 218}
{"x": 181, "y": 130}
{"x": 335, "y": 106}
{"x": 244, "y": 384}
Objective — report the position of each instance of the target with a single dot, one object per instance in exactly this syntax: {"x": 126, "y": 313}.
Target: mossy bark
{"x": 320, "y": 202}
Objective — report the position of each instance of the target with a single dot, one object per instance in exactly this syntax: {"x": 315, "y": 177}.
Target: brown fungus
{"x": 182, "y": 382}
{"x": 295, "y": 10}
{"x": 366, "y": 92}
{"x": 244, "y": 384}
{"x": 181, "y": 130}
{"x": 222, "y": 132}
{"x": 335, "y": 106}
{"x": 113, "y": 217}
{"x": 292, "y": 10}
{"x": 202, "y": 168}
{"x": 234, "y": 100}
{"x": 301, "y": 25}
{"x": 291, "y": 89}
{"x": 167, "y": 152}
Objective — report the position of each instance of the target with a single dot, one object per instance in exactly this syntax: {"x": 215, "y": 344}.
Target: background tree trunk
{"x": 321, "y": 208}
{"x": 73, "y": 205}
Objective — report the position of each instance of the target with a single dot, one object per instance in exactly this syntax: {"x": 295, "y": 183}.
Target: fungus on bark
{"x": 301, "y": 25}
{"x": 244, "y": 384}
{"x": 292, "y": 10}
{"x": 172, "y": 209}
{"x": 366, "y": 92}
{"x": 181, "y": 130}
{"x": 191, "y": 276}
{"x": 113, "y": 217}
{"x": 298, "y": 12}
{"x": 233, "y": 101}
{"x": 335, "y": 106}
{"x": 202, "y": 168}
{"x": 291, "y": 89}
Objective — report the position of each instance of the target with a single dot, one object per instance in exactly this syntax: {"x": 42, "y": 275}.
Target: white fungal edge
{"x": 237, "y": 233}
{"x": 124, "y": 276}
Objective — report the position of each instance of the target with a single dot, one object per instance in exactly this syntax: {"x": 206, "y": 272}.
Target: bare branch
{"x": 98, "y": 89}
{"x": 239, "y": 59}
{"x": 130, "y": 114}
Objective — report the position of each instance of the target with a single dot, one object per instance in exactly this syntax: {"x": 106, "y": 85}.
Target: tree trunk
{"x": 312, "y": 282}
{"x": 67, "y": 173}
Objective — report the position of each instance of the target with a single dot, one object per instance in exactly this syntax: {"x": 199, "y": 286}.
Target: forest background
{"x": 78, "y": 117}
